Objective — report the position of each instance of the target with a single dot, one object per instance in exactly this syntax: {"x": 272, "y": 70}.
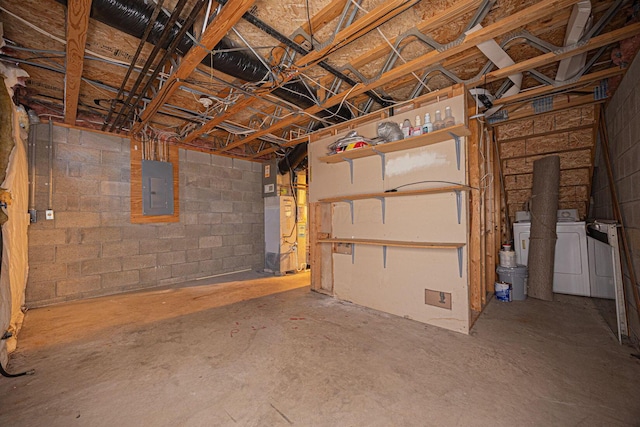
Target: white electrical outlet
{"x": 49, "y": 214}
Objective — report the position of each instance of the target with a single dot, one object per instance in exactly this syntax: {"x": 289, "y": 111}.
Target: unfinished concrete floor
{"x": 195, "y": 356}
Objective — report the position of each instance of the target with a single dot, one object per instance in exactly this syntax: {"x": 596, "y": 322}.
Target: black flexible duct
{"x": 132, "y": 16}
{"x": 293, "y": 158}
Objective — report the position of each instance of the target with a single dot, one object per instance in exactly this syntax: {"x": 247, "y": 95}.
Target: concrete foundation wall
{"x": 92, "y": 249}
{"x": 623, "y": 123}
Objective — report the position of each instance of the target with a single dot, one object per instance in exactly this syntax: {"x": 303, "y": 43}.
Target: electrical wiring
{"x": 309, "y": 22}
{"x": 58, "y": 39}
{"x": 429, "y": 181}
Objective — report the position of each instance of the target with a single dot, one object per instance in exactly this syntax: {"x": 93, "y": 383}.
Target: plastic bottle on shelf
{"x": 427, "y": 126}
{"x": 438, "y": 123}
{"x": 448, "y": 118}
{"x": 417, "y": 129}
{"x": 406, "y": 128}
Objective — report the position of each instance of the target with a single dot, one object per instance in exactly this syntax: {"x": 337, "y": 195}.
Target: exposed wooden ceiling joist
{"x": 77, "y": 25}
{"x": 247, "y": 117}
{"x": 221, "y": 24}
{"x": 530, "y": 14}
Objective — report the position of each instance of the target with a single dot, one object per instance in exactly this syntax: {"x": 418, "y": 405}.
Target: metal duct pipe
{"x": 293, "y": 158}
{"x": 132, "y": 16}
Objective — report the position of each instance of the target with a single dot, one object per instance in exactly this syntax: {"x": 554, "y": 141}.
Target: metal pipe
{"x": 33, "y": 120}
{"x": 166, "y": 32}
{"x": 174, "y": 44}
{"x": 50, "y": 164}
{"x": 143, "y": 40}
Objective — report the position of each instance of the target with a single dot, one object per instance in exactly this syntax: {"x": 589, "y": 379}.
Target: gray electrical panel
{"x": 270, "y": 178}
{"x": 157, "y": 188}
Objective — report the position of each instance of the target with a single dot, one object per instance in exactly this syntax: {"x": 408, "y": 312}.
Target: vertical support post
{"x": 474, "y": 240}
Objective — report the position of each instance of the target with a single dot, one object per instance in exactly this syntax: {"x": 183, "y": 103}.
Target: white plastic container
{"x": 503, "y": 291}
{"x": 517, "y": 278}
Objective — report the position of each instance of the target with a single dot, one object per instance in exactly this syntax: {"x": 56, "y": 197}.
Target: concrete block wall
{"x": 92, "y": 249}
{"x": 623, "y": 124}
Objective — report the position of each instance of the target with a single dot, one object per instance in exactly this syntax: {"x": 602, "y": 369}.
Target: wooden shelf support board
{"x": 399, "y": 244}
{"x": 454, "y": 132}
{"x": 382, "y": 197}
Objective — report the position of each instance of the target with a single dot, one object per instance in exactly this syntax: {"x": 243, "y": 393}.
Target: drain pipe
{"x": 33, "y": 120}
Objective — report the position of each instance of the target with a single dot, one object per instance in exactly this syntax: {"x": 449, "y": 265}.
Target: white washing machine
{"x": 571, "y": 266}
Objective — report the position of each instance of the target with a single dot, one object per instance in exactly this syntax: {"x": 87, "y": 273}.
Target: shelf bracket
{"x": 460, "y": 261}
{"x": 382, "y": 160}
{"x": 383, "y": 202}
{"x": 351, "y": 208}
{"x": 384, "y": 256}
{"x": 350, "y": 161}
{"x": 458, "y": 204}
{"x": 456, "y": 138}
{"x": 353, "y": 253}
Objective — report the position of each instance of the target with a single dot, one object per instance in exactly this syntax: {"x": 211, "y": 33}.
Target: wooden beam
{"x": 378, "y": 16}
{"x": 77, "y": 24}
{"x": 474, "y": 247}
{"x": 547, "y": 89}
{"x": 221, "y": 24}
{"x": 517, "y": 20}
{"x": 318, "y": 21}
{"x": 594, "y": 43}
{"x": 446, "y": 16}
{"x": 442, "y": 93}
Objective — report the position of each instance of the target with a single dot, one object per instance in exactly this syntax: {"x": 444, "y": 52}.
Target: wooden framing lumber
{"x": 77, "y": 25}
{"x": 530, "y": 14}
{"x": 221, "y": 24}
{"x": 378, "y": 16}
{"x": 475, "y": 206}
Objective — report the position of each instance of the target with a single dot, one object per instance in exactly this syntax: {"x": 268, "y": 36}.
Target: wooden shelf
{"x": 382, "y": 196}
{"x": 397, "y": 243}
{"x": 437, "y": 190}
{"x": 403, "y": 144}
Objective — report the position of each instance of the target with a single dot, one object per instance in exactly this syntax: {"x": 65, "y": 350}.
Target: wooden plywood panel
{"x": 519, "y": 196}
{"x": 362, "y": 276}
{"x": 136, "y": 187}
{"x": 568, "y": 160}
{"x": 567, "y": 177}
{"x": 512, "y": 149}
{"x": 515, "y": 129}
{"x": 399, "y": 288}
{"x": 429, "y": 163}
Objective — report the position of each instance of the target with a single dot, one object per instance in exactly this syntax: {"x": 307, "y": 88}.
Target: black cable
{"x": 8, "y": 375}
{"x": 393, "y": 190}
{"x": 310, "y": 27}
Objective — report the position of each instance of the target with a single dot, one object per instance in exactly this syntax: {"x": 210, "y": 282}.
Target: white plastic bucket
{"x": 507, "y": 258}
{"x": 503, "y": 291}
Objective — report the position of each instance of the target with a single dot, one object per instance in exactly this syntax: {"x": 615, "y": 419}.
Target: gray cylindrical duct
{"x": 544, "y": 214}
{"x": 132, "y": 16}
